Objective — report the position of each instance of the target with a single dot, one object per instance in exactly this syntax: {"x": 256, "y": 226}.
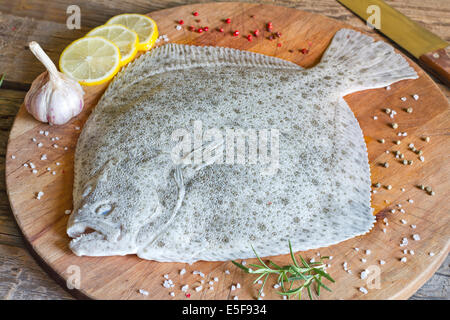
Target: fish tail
{"x": 356, "y": 62}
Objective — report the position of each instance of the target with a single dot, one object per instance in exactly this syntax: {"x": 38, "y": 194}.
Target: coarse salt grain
{"x": 368, "y": 251}
{"x": 403, "y": 98}
{"x": 413, "y": 226}
{"x": 143, "y": 292}
{"x": 34, "y": 171}
{"x": 39, "y": 195}
{"x": 431, "y": 254}
{"x": 233, "y": 287}
{"x": 185, "y": 288}
{"x": 44, "y": 157}
{"x": 201, "y": 274}
{"x": 363, "y": 260}
{"x": 227, "y": 272}
{"x": 403, "y": 221}
{"x": 199, "y": 288}
{"x": 236, "y": 298}
{"x": 363, "y": 275}
{"x": 415, "y": 97}
{"x": 172, "y": 294}
{"x": 363, "y": 290}
{"x": 166, "y": 276}
{"x": 403, "y": 259}
{"x": 416, "y": 237}
{"x": 382, "y": 262}
{"x": 68, "y": 212}
{"x": 182, "y": 271}
{"x": 216, "y": 279}
{"x": 13, "y": 156}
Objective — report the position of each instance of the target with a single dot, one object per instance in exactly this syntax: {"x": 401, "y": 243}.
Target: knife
{"x": 427, "y": 47}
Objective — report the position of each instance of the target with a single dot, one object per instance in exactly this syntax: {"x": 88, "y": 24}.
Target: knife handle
{"x": 439, "y": 63}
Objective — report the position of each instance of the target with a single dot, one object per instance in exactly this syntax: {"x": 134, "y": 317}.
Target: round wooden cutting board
{"x": 43, "y": 222}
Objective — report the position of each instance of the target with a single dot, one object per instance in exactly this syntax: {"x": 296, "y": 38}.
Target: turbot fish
{"x": 199, "y": 153}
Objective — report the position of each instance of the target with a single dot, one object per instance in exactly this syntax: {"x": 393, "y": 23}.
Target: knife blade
{"x": 424, "y": 45}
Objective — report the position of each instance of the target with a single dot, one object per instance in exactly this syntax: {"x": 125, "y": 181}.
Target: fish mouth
{"x": 83, "y": 228}
{"x": 91, "y": 238}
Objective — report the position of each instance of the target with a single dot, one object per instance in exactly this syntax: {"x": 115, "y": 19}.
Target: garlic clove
{"x": 53, "y": 97}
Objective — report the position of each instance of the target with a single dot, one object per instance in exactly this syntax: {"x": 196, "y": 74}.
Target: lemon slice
{"x": 144, "y": 26}
{"x": 90, "y": 60}
{"x": 125, "y": 39}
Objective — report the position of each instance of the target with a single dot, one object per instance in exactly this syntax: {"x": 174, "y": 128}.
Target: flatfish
{"x": 198, "y": 153}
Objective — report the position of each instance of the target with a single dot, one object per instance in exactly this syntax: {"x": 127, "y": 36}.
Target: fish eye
{"x": 103, "y": 209}
{"x": 87, "y": 190}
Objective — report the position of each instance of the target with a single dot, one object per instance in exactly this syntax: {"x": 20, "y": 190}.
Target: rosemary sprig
{"x": 303, "y": 275}
{"x": 1, "y": 79}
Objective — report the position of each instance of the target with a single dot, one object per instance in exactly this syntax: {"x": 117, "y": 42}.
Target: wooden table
{"x": 22, "y": 21}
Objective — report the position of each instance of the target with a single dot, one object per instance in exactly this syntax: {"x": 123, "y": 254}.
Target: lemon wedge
{"x": 144, "y": 26}
{"x": 90, "y": 60}
{"x": 125, "y": 39}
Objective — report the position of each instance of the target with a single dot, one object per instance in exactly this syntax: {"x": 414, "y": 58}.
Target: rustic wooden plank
{"x": 438, "y": 287}
{"x": 44, "y": 222}
{"x": 21, "y": 278}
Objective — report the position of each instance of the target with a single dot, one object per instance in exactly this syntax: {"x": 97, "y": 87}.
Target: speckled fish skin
{"x": 136, "y": 200}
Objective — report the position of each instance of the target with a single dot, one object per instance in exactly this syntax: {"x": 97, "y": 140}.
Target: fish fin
{"x": 355, "y": 62}
{"x": 174, "y": 56}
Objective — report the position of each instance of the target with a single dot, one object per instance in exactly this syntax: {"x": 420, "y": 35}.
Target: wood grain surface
{"x": 20, "y": 277}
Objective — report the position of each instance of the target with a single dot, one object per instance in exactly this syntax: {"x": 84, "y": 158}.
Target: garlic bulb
{"x": 53, "y": 97}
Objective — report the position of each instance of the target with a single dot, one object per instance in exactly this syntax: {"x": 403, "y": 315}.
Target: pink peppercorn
{"x": 304, "y": 51}
{"x": 236, "y": 33}
{"x": 278, "y": 44}
{"x": 228, "y": 20}
{"x": 221, "y": 30}
{"x": 199, "y": 30}
{"x": 192, "y": 28}
{"x": 195, "y": 13}
{"x": 206, "y": 29}
{"x": 249, "y": 37}
{"x": 181, "y": 22}
{"x": 256, "y": 32}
